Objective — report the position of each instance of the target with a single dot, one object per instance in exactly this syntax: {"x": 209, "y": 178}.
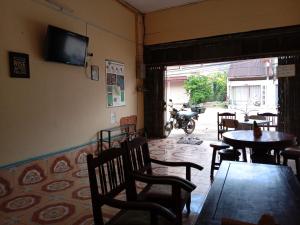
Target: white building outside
{"x": 251, "y": 84}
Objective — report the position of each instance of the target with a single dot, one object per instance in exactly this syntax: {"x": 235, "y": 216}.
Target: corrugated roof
{"x": 249, "y": 68}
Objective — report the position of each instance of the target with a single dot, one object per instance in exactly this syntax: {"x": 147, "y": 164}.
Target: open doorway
{"x": 243, "y": 86}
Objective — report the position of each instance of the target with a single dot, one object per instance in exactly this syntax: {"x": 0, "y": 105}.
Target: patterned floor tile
{"x": 58, "y": 188}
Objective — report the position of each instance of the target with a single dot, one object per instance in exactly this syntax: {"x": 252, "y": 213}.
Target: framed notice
{"x": 19, "y": 65}
{"x": 115, "y": 83}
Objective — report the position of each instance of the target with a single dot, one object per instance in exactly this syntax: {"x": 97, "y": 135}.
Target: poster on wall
{"x": 115, "y": 83}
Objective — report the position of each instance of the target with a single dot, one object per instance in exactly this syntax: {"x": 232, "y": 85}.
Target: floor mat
{"x": 190, "y": 140}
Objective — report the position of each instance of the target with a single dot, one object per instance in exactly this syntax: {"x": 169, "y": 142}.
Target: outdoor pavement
{"x": 206, "y": 126}
{"x": 206, "y": 129}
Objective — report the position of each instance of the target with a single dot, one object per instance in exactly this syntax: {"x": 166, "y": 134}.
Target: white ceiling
{"x": 146, "y": 6}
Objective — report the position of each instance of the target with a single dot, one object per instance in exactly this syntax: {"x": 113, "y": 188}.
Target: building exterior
{"x": 252, "y": 85}
{"x": 177, "y": 75}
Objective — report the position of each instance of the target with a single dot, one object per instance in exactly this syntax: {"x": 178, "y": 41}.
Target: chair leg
{"x": 179, "y": 217}
{"x": 285, "y": 161}
{"x": 277, "y": 155}
{"x": 188, "y": 206}
{"x": 244, "y": 154}
{"x": 213, "y": 161}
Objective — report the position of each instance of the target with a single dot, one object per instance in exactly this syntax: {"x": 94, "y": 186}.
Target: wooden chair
{"x": 220, "y": 117}
{"x": 272, "y": 117}
{"x": 229, "y": 154}
{"x": 230, "y": 124}
{"x": 109, "y": 167}
{"x": 170, "y": 191}
{"x": 215, "y": 165}
{"x": 292, "y": 153}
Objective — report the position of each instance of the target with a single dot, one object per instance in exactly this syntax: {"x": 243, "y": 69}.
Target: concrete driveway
{"x": 206, "y": 126}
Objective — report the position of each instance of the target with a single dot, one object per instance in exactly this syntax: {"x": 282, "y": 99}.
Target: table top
{"x": 268, "y": 140}
{"x": 251, "y": 121}
{"x": 244, "y": 191}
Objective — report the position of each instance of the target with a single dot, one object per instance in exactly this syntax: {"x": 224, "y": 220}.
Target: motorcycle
{"x": 180, "y": 120}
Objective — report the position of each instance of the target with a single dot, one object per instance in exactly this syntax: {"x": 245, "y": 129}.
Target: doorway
{"x": 277, "y": 42}
{"x": 241, "y": 86}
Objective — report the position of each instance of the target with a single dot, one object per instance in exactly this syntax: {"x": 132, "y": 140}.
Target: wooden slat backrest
{"x": 230, "y": 123}
{"x": 272, "y": 118}
{"x": 139, "y": 155}
{"x": 225, "y": 115}
{"x": 106, "y": 174}
{"x": 220, "y": 117}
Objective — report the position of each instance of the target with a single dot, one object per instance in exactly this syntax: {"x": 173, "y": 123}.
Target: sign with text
{"x": 286, "y": 70}
{"x": 115, "y": 83}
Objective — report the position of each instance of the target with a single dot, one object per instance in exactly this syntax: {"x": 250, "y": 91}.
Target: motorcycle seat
{"x": 187, "y": 113}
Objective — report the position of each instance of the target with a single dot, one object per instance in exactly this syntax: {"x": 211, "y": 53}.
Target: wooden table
{"x": 270, "y": 140}
{"x": 249, "y": 123}
{"x": 245, "y": 191}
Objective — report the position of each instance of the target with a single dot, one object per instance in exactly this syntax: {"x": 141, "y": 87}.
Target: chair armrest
{"x": 144, "y": 206}
{"x": 170, "y": 180}
{"x": 183, "y": 164}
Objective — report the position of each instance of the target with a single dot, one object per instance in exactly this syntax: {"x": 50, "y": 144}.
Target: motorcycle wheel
{"x": 190, "y": 127}
{"x": 168, "y": 129}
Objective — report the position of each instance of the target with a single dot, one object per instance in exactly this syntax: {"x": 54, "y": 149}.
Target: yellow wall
{"x": 216, "y": 17}
{"x": 59, "y": 106}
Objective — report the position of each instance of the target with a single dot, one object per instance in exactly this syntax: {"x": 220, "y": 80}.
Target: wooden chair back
{"x": 107, "y": 179}
{"x": 220, "y": 117}
{"x": 138, "y": 161}
{"x": 272, "y": 118}
{"x": 139, "y": 155}
{"x": 230, "y": 124}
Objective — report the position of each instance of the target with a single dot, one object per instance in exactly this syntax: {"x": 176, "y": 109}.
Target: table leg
{"x": 277, "y": 155}
{"x": 262, "y": 156}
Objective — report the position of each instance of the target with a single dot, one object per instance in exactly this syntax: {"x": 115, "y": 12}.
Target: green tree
{"x": 199, "y": 88}
{"x": 206, "y": 88}
{"x": 219, "y": 81}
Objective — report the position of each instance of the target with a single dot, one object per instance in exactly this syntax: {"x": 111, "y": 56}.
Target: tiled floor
{"x": 56, "y": 190}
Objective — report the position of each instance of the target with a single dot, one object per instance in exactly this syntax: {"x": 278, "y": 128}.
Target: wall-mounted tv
{"x": 65, "y": 46}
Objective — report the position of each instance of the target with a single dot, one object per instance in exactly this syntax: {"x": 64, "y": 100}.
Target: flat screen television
{"x": 65, "y": 46}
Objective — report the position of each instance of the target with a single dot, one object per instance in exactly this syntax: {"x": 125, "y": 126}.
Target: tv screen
{"x": 65, "y": 46}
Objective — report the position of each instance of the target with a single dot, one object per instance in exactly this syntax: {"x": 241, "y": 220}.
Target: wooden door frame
{"x": 275, "y": 42}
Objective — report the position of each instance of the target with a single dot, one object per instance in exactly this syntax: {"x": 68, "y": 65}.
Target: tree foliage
{"x": 219, "y": 86}
{"x": 198, "y": 88}
{"x": 206, "y": 88}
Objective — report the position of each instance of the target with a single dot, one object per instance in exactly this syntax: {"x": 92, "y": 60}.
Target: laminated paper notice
{"x": 115, "y": 84}
{"x": 286, "y": 70}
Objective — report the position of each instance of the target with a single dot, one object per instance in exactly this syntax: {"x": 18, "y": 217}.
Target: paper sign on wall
{"x": 113, "y": 118}
{"x": 286, "y": 70}
{"x": 115, "y": 83}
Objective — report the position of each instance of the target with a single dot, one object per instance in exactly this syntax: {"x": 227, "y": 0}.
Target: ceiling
{"x": 146, "y": 6}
